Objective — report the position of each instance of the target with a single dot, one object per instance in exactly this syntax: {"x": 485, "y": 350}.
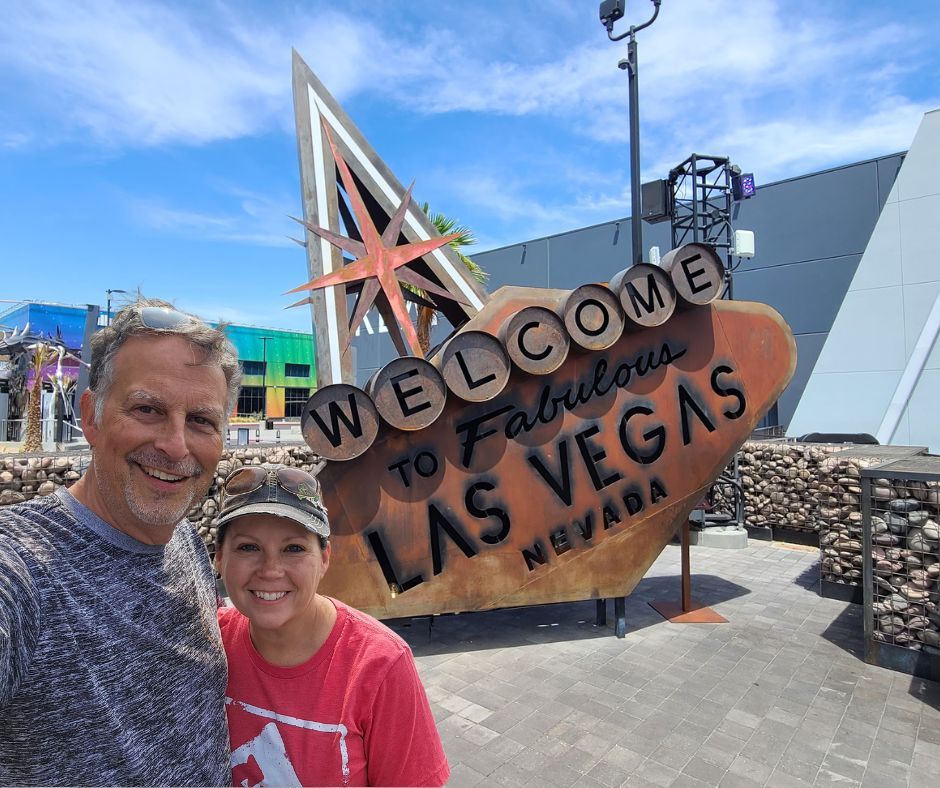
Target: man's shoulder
{"x": 42, "y": 506}
{"x": 186, "y": 557}
{"x": 187, "y": 544}
{"x": 186, "y": 533}
{"x": 35, "y": 523}
{"x": 30, "y": 535}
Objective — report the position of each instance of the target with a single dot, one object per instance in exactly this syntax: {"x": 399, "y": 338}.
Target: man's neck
{"x": 86, "y": 492}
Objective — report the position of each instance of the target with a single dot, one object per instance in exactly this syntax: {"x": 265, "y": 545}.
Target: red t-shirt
{"x": 355, "y": 713}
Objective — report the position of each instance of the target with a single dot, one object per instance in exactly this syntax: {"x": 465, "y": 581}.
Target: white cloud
{"x": 257, "y": 220}
{"x": 14, "y": 139}
{"x": 782, "y": 68}
{"x": 782, "y": 86}
{"x": 796, "y": 144}
{"x": 518, "y": 207}
{"x": 140, "y": 73}
{"x": 146, "y": 73}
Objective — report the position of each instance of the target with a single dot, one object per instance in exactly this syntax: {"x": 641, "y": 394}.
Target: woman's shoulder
{"x": 369, "y": 634}
{"x": 229, "y": 620}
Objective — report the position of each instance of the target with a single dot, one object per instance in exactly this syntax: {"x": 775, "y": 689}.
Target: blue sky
{"x": 150, "y": 144}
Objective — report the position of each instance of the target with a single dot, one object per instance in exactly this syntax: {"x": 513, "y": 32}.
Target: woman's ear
{"x": 217, "y": 560}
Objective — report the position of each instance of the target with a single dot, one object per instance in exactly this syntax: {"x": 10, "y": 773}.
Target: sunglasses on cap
{"x": 277, "y": 490}
{"x": 252, "y": 477}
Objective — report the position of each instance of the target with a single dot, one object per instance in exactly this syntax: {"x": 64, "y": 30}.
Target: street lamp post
{"x": 610, "y": 12}
{"x": 264, "y": 375}
{"x": 110, "y": 292}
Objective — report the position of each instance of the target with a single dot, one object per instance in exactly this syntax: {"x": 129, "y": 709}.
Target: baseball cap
{"x": 278, "y": 490}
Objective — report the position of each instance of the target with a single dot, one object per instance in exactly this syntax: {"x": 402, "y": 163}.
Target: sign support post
{"x": 687, "y": 611}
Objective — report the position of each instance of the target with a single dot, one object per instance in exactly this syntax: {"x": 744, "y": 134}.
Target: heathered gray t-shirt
{"x": 111, "y": 665}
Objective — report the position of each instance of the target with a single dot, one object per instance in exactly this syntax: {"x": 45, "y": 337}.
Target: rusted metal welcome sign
{"x": 551, "y": 448}
{"x": 556, "y": 486}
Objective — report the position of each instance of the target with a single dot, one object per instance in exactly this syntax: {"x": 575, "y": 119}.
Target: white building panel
{"x": 879, "y": 371}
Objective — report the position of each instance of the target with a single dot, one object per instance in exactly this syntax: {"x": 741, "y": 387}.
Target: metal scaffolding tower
{"x": 701, "y": 206}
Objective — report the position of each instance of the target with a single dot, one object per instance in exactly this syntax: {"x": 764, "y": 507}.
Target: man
{"x": 111, "y": 665}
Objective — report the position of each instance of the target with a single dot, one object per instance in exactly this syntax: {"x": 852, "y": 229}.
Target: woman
{"x": 318, "y": 693}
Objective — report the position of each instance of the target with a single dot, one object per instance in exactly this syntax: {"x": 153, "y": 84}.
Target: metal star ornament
{"x": 380, "y": 264}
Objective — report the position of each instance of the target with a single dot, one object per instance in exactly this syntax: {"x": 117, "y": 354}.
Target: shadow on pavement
{"x": 556, "y": 623}
{"x": 847, "y": 630}
{"x": 809, "y": 578}
{"x": 926, "y": 691}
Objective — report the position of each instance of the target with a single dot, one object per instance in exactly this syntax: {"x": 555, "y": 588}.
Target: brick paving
{"x": 779, "y": 696}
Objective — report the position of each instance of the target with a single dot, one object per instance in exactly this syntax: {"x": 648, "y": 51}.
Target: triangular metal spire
{"x": 313, "y": 106}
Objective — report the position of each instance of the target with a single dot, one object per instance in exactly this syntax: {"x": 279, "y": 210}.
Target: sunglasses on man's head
{"x": 161, "y": 317}
{"x": 293, "y": 480}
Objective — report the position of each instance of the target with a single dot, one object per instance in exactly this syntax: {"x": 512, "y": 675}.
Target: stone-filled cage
{"x": 839, "y": 516}
{"x": 900, "y": 508}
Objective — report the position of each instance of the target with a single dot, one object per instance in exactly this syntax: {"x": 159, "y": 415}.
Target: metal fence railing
{"x": 11, "y": 429}
{"x": 14, "y": 431}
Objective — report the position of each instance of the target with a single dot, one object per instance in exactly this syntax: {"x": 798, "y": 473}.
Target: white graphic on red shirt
{"x": 269, "y": 753}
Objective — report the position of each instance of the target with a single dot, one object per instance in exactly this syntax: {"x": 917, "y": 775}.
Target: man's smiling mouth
{"x": 163, "y": 476}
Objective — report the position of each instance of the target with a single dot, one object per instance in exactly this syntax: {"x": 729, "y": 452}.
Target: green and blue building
{"x": 279, "y": 366}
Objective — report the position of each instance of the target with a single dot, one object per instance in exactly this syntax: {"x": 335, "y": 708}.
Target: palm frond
{"x": 445, "y": 226}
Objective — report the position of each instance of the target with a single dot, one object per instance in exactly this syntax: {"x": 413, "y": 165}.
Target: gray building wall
{"x": 810, "y": 234}
{"x": 810, "y": 231}
{"x": 879, "y": 370}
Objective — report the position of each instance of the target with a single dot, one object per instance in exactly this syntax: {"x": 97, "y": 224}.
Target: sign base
{"x": 696, "y": 613}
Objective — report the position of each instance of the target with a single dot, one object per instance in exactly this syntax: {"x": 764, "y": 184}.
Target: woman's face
{"x": 272, "y": 568}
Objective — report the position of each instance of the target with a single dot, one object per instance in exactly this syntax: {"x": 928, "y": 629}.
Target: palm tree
{"x": 445, "y": 226}
{"x": 32, "y": 441}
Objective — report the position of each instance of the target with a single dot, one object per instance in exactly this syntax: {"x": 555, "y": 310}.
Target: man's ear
{"x": 87, "y": 408}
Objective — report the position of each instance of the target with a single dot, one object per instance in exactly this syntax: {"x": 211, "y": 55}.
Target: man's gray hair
{"x": 105, "y": 344}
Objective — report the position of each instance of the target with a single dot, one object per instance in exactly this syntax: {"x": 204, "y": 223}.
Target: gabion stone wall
{"x": 785, "y": 484}
{"x": 22, "y": 478}
{"x": 809, "y": 487}
{"x": 840, "y": 534}
{"x": 840, "y": 514}
{"x": 906, "y": 563}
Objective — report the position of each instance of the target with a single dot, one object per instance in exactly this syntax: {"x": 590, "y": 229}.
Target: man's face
{"x": 159, "y": 437}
